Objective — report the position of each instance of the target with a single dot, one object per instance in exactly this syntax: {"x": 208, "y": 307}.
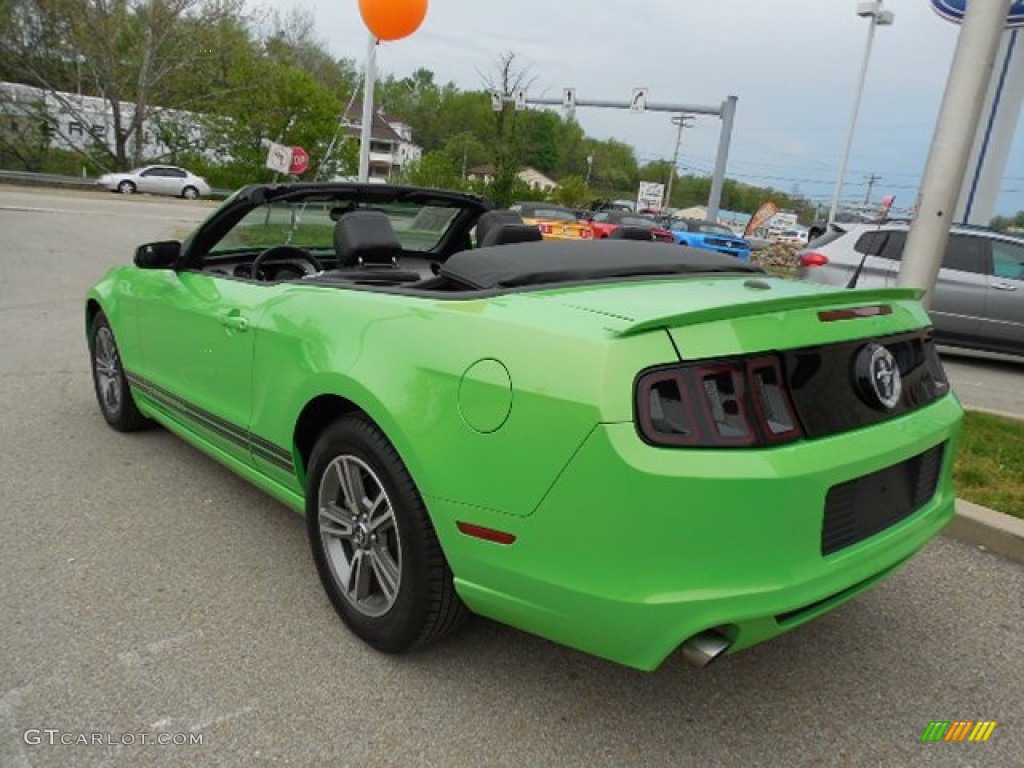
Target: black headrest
{"x": 365, "y": 237}
{"x": 631, "y": 233}
{"x": 492, "y": 220}
{"x": 512, "y": 233}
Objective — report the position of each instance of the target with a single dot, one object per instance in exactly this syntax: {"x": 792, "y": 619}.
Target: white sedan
{"x": 157, "y": 180}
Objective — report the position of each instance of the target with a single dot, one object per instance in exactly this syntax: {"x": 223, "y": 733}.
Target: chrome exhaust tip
{"x": 704, "y": 647}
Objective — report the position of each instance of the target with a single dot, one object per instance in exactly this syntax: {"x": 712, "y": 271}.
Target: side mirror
{"x": 160, "y": 255}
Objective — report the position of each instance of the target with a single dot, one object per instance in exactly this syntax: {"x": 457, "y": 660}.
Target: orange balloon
{"x": 393, "y": 19}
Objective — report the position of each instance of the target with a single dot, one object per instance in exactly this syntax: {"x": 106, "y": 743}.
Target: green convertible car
{"x": 626, "y": 447}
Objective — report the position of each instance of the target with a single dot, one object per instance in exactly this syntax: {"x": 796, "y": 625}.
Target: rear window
{"x": 637, "y": 221}
{"x": 886, "y": 243}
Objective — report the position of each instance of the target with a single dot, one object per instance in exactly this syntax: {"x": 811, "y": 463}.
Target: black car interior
{"x": 477, "y": 249}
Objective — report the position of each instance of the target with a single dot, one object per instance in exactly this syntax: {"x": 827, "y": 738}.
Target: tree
{"x": 122, "y": 51}
{"x": 434, "y": 169}
{"x": 1004, "y": 223}
{"x": 572, "y": 192}
{"x": 507, "y": 79}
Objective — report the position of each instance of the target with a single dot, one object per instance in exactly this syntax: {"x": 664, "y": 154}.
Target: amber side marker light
{"x": 487, "y": 534}
{"x": 876, "y": 310}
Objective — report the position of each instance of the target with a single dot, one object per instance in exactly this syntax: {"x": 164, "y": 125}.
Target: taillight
{"x": 545, "y": 229}
{"x": 813, "y": 259}
{"x": 717, "y": 404}
{"x": 772, "y": 400}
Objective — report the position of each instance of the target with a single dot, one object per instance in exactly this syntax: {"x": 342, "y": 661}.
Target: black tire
{"x": 113, "y": 392}
{"x": 423, "y": 606}
{"x": 190, "y": 193}
{"x": 126, "y": 187}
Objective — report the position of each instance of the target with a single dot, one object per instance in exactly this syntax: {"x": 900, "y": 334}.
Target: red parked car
{"x": 605, "y": 222}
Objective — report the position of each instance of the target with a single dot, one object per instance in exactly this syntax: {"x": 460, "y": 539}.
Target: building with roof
{"x": 528, "y": 175}
{"x": 391, "y": 144}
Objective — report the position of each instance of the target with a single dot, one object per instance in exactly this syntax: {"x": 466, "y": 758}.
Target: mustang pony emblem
{"x": 878, "y": 377}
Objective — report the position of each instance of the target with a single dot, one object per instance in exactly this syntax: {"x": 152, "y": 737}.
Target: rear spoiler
{"x": 823, "y": 300}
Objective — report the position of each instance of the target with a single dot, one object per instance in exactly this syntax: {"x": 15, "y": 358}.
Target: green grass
{"x": 989, "y": 468}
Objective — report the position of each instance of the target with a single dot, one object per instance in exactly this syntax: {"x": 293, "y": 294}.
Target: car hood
{"x": 643, "y": 306}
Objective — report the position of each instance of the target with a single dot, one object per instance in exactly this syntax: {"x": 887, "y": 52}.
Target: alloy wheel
{"x": 108, "y": 371}
{"x": 359, "y": 535}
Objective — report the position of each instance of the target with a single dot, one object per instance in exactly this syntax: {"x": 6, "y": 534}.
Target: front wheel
{"x": 373, "y": 543}
{"x": 113, "y": 392}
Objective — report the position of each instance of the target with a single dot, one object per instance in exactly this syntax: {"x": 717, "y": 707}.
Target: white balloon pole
{"x": 367, "y": 126}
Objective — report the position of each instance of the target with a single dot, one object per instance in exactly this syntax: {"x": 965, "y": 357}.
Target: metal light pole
{"x": 367, "y": 126}
{"x": 721, "y": 157}
{"x": 590, "y": 167}
{"x": 681, "y": 121}
{"x": 879, "y": 18}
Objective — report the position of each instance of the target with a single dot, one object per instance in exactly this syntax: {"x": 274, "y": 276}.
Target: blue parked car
{"x": 698, "y": 233}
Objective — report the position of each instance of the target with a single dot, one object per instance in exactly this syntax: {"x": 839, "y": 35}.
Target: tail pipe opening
{"x": 704, "y": 647}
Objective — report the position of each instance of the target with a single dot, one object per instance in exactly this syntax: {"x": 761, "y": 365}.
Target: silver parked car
{"x": 979, "y": 297}
{"x": 157, "y": 180}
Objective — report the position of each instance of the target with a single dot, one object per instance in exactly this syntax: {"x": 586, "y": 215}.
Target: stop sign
{"x": 300, "y": 161}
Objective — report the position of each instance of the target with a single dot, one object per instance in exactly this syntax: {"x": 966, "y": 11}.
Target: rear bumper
{"x": 636, "y": 549}
{"x": 563, "y": 236}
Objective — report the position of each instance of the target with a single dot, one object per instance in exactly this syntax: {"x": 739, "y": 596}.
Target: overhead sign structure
{"x": 650, "y": 196}
{"x": 279, "y": 158}
{"x": 638, "y": 102}
{"x": 954, "y": 11}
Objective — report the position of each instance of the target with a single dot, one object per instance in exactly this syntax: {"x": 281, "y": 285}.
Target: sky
{"x": 793, "y": 64}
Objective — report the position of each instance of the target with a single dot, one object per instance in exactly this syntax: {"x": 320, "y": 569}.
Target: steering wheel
{"x": 284, "y": 252}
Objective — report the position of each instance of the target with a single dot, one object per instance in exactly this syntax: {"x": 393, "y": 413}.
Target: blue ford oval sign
{"x": 953, "y": 10}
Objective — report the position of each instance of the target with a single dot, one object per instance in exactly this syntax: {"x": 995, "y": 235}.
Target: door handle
{"x": 1004, "y": 286}
{"x": 233, "y": 320}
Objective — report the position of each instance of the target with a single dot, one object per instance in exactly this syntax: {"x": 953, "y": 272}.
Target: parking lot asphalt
{"x": 985, "y": 381}
{"x": 147, "y": 590}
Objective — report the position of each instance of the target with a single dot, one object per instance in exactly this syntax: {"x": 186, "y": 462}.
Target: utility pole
{"x": 681, "y": 121}
{"x": 871, "y": 185}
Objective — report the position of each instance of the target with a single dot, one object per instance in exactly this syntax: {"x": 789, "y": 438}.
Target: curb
{"x": 987, "y": 528}
{"x": 993, "y": 412}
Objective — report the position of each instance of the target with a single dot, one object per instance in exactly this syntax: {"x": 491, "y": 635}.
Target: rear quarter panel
{"x": 404, "y": 361}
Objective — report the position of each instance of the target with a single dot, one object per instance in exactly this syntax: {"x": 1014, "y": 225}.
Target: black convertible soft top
{"x": 551, "y": 262}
